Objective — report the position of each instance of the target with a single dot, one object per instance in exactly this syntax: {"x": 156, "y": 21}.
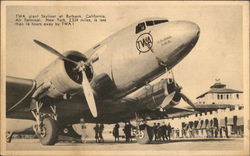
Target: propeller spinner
{"x": 81, "y": 67}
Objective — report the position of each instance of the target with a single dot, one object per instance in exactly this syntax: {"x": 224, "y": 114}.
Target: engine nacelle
{"x": 62, "y": 77}
{"x": 103, "y": 85}
{"x": 152, "y": 96}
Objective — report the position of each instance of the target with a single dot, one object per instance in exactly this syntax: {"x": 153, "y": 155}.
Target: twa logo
{"x": 144, "y": 43}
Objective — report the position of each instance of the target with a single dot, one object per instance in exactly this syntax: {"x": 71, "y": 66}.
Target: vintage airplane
{"x": 100, "y": 85}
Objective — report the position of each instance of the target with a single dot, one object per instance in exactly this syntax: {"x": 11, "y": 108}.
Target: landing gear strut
{"x": 9, "y": 137}
{"x": 144, "y": 133}
{"x": 46, "y": 127}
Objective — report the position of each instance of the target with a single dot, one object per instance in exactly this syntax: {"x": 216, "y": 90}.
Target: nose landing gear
{"x": 9, "y": 137}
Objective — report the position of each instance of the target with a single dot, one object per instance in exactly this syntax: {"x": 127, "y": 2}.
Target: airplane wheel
{"x": 145, "y": 135}
{"x": 49, "y": 131}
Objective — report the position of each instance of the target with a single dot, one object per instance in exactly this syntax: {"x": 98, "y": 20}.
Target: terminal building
{"x": 219, "y": 113}
{"x": 220, "y": 95}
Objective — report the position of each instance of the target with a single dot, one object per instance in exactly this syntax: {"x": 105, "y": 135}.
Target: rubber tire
{"x": 148, "y": 136}
{"x": 51, "y": 132}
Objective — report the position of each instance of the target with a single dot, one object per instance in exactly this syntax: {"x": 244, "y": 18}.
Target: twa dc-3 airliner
{"x": 99, "y": 85}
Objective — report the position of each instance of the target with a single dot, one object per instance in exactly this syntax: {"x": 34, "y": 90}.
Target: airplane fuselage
{"x": 121, "y": 64}
{"x": 133, "y": 59}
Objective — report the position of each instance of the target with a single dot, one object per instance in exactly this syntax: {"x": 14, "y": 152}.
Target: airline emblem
{"x": 144, "y": 43}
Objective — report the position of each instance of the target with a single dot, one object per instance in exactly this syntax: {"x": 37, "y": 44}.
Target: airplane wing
{"x": 176, "y": 112}
{"x": 18, "y": 93}
{"x": 173, "y": 112}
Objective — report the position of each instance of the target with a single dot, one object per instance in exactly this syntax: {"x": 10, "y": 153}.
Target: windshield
{"x": 151, "y": 23}
{"x": 140, "y": 27}
{"x": 160, "y": 21}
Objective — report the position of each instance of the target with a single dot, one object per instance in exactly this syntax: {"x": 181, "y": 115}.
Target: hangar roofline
{"x": 219, "y": 88}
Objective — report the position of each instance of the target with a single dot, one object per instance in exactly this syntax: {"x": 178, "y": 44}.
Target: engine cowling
{"x": 152, "y": 96}
{"x": 61, "y": 77}
{"x": 169, "y": 88}
{"x": 103, "y": 85}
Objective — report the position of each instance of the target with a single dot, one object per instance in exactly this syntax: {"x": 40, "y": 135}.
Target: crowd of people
{"x": 128, "y": 129}
{"x": 208, "y": 132}
{"x": 162, "y": 132}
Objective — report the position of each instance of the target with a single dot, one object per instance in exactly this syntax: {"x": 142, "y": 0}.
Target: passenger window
{"x": 140, "y": 27}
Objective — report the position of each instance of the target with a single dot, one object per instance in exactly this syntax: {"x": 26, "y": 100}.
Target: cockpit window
{"x": 140, "y": 27}
{"x": 160, "y": 21}
{"x": 149, "y": 23}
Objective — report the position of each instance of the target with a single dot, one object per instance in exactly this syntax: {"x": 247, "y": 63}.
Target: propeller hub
{"x": 81, "y": 66}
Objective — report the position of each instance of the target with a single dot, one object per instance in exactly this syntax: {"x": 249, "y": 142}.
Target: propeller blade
{"x": 187, "y": 100}
{"x": 53, "y": 51}
{"x": 87, "y": 90}
{"x": 167, "y": 100}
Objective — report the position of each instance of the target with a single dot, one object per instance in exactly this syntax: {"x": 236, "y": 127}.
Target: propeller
{"x": 55, "y": 52}
{"x": 187, "y": 100}
{"x": 176, "y": 92}
{"x": 81, "y": 67}
{"x": 89, "y": 94}
{"x": 167, "y": 100}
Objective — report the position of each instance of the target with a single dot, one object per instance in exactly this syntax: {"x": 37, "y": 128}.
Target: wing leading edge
{"x": 18, "y": 92}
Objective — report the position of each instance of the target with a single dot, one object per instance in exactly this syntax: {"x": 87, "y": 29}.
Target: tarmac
{"x": 180, "y": 144}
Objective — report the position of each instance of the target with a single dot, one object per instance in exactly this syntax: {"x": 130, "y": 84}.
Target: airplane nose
{"x": 178, "y": 41}
{"x": 188, "y": 31}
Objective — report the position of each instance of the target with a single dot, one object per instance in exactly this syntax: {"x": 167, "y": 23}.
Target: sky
{"x": 217, "y": 54}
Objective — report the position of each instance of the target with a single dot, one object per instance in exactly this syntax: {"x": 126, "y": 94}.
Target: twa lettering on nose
{"x": 144, "y": 42}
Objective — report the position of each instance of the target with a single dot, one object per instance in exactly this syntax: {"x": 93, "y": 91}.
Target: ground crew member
{"x": 127, "y": 131}
{"x": 169, "y": 128}
{"x": 177, "y": 133}
{"x": 185, "y": 130}
{"x": 155, "y": 131}
{"x": 96, "y": 128}
{"x": 226, "y": 132}
{"x": 164, "y": 131}
{"x": 83, "y": 131}
{"x": 116, "y": 132}
{"x": 216, "y": 132}
{"x": 159, "y": 131}
{"x": 221, "y": 132}
{"x": 100, "y": 133}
